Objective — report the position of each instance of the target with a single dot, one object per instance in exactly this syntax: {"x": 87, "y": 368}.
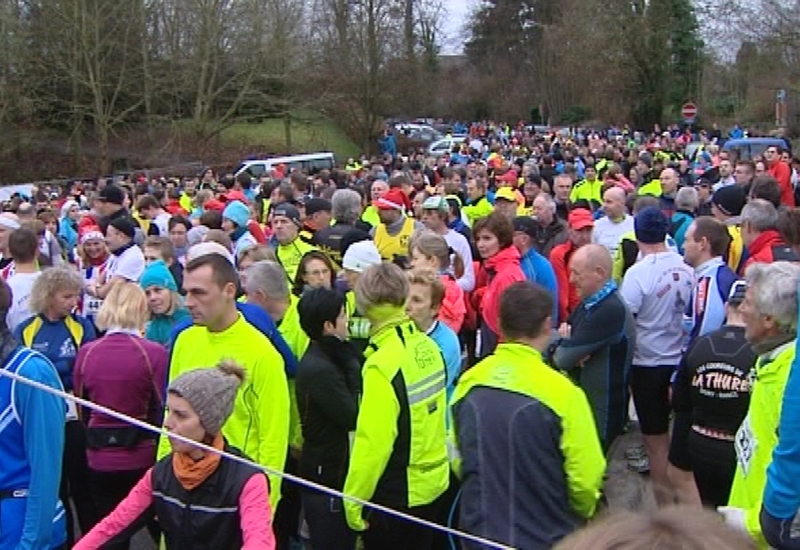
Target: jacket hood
{"x": 506, "y": 257}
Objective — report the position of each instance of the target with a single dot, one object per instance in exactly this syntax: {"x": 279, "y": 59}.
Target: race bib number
{"x": 745, "y": 445}
{"x": 72, "y": 410}
{"x": 91, "y": 306}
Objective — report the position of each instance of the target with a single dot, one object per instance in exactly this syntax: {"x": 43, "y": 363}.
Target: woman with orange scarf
{"x": 201, "y": 499}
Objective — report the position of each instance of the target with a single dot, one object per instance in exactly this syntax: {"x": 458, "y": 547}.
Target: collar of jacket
{"x": 772, "y": 346}
{"x": 399, "y": 324}
{"x": 499, "y": 370}
{"x": 609, "y": 288}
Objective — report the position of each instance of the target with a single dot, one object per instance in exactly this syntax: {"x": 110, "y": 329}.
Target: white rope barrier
{"x": 294, "y": 479}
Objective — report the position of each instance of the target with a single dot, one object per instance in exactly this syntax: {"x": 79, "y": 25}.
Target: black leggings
{"x": 392, "y": 533}
{"x": 108, "y": 489}
{"x": 75, "y": 482}
{"x": 714, "y": 464}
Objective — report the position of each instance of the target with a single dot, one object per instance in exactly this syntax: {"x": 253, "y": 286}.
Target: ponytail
{"x": 457, "y": 263}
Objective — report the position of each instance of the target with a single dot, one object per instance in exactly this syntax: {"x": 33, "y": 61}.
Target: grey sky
{"x": 457, "y": 13}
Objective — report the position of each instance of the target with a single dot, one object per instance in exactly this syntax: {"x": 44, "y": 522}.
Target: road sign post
{"x": 688, "y": 112}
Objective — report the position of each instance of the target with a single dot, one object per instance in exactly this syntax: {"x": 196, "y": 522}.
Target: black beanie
{"x": 316, "y": 306}
{"x": 124, "y": 225}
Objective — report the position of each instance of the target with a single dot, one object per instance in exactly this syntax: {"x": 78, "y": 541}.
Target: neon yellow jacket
{"x": 289, "y": 256}
{"x": 259, "y": 425}
{"x": 370, "y": 216}
{"x": 652, "y": 188}
{"x": 399, "y": 453}
{"x": 297, "y": 340}
{"x": 758, "y": 436}
{"x": 477, "y": 210}
{"x": 591, "y": 191}
{"x": 519, "y": 368}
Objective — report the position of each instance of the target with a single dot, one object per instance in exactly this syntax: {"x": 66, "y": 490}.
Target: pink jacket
{"x": 256, "y": 516}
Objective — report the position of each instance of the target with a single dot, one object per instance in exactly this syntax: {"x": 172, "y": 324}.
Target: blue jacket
{"x": 448, "y": 343}
{"x": 538, "y": 269}
{"x": 388, "y": 145}
{"x": 58, "y": 341}
{"x": 264, "y": 323}
{"x": 31, "y": 452}
{"x": 679, "y": 224}
{"x": 68, "y": 232}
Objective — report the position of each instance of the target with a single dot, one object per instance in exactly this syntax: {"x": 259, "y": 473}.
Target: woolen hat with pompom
{"x": 210, "y": 392}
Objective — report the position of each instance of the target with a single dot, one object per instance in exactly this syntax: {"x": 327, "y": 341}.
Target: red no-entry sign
{"x": 689, "y": 111}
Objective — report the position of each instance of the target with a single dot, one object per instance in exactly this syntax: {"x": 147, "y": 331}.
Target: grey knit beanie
{"x": 210, "y": 392}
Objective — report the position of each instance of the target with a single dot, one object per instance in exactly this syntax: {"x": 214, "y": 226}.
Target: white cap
{"x": 208, "y": 247}
{"x": 360, "y": 256}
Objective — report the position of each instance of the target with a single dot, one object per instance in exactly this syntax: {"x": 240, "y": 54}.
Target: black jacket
{"x": 330, "y": 240}
{"x": 327, "y": 386}
{"x": 550, "y": 236}
{"x": 207, "y": 517}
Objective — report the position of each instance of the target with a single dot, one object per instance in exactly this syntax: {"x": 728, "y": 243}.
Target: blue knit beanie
{"x": 158, "y": 274}
{"x": 651, "y": 226}
{"x": 237, "y": 212}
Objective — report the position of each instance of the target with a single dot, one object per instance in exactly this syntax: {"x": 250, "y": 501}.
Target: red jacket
{"x": 762, "y": 249}
{"x": 781, "y": 172}
{"x": 568, "y": 298}
{"x": 453, "y": 308}
{"x": 499, "y": 271}
{"x": 255, "y": 230}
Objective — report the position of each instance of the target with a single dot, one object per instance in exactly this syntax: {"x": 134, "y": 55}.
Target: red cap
{"x": 393, "y": 199}
{"x": 509, "y": 177}
{"x": 235, "y": 196}
{"x": 214, "y": 204}
{"x": 580, "y": 218}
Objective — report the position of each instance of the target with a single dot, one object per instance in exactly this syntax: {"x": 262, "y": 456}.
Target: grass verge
{"x": 310, "y": 132}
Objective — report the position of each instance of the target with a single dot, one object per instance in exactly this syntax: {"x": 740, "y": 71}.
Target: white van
{"x": 312, "y": 162}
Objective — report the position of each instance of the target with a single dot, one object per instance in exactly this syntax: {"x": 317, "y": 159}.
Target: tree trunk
{"x": 287, "y": 131}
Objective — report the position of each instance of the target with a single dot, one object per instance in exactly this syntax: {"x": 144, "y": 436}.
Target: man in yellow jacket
{"x": 259, "y": 425}
{"x": 523, "y": 437}
{"x": 399, "y": 452}
{"x": 770, "y": 314}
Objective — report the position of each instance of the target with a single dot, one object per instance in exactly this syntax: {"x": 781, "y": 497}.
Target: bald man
{"x": 670, "y": 179}
{"x": 608, "y": 230}
{"x": 595, "y": 345}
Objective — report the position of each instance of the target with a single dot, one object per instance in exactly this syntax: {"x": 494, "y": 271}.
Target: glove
{"x": 734, "y": 517}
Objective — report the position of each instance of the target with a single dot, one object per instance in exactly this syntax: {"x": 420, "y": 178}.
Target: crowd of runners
{"x": 459, "y": 339}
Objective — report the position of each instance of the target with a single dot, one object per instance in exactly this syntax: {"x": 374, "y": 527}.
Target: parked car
{"x": 439, "y": 148}
{"x": 749, "y": 148}
{"x": 311, "y": 163}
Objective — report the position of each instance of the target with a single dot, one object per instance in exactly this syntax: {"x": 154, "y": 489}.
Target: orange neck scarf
{"x": 192, "y": 473}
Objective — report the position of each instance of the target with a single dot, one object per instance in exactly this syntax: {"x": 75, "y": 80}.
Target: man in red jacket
{"x": 760, "y": 234}
{"x": 781, "y": 172}
{"x": 581, "y": 224}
